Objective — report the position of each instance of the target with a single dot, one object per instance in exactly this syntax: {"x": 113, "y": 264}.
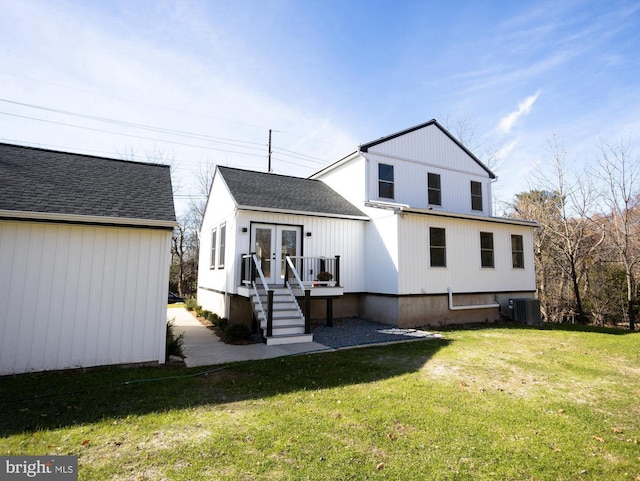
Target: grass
{"x": 495, "y": 403}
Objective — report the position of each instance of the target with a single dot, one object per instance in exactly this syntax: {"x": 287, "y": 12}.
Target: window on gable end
{"x": 437, "y": 247}
{"x": 434, "y": 191}
{"x": 486, "y": 249}
{"x": 476, "y": 195}
{"x": 517, "y": 252}
{"x": 385, "y": 181}
{"x": 221, "y": 250}
{"x": 214, "y": 235}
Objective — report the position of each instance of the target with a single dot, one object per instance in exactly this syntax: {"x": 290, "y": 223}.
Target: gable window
{"x": 486, "y": 249}
{"x": 223, "y": 231}
{"x": 437, "y": 247}
{"x": 385, "y": 181}
{"x": 434, "y": 192}
{"x": 476, "y": 195}
{"x": 517, "y": 252}
{"x": 214, "y": 233}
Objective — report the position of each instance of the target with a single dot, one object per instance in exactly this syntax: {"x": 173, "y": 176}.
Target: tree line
{"x": 587, "y": 244}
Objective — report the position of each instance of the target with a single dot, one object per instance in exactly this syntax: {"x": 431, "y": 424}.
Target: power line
{"x": 128, "y": 101}
{"x": 181, "y": 133}
{"x": 130, "y": 135}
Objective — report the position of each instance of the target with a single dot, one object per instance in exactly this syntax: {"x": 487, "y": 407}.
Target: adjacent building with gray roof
{"x": 84, "y": 259}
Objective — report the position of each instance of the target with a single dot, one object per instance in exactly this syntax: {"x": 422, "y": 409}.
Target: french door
{"x": 272, "y": 243}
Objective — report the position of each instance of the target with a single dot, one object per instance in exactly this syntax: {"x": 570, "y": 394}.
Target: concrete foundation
{"x": 401, "y": 311}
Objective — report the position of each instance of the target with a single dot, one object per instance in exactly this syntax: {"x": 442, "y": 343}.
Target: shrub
{"x": 221, "y": 323}
{"x": 191, "y": 303}
{"x": 174, "y": 343}
{"x": 236, "y": 333}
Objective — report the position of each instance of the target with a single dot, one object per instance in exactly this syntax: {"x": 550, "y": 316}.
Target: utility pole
{"x": 269, "y": 154}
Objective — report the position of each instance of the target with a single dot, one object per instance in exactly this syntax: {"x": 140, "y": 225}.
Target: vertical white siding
{"x": 410, "y": 184}
{"x": 463, "y": 272}
{"x": 221, "y": 209}
{"x": 330, "y": 237}
{"x": 382, "y": 249}
{"x": 348, "y": 180}
{"x": 430, "y": 145}
{"x": 80, "y": 296}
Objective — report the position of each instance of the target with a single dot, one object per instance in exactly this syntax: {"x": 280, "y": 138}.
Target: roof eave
{"x": 334, "y": 165}
{"x": 302, "y": 212}
{"x": 85, "y": 219}
{"x": 368, "y": 145}
{"x": 404, "y": 209}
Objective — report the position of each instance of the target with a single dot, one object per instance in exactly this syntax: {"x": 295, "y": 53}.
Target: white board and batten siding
{"x": 429, "y": 150}
{"x": 81, "y": 295}
{"x": 347, "y": 178}
{"x": 463, "y": 271}
{"x": 221, "y": 209}
{"x": 329, "y": 237}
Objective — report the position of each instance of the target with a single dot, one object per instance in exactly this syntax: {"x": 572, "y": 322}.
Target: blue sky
{"x": 324, "y": 75}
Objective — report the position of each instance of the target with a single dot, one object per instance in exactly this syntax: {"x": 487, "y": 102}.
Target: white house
{"x": 403, "y": 225}
{"x": 84, "y": 260}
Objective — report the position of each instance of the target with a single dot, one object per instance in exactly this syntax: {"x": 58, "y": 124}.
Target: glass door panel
{"x": 289, "y": 247}
{"x": 264, "y": 249}
{"x": 272, "y": 243}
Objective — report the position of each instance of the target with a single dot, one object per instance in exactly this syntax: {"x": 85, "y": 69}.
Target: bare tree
{"x": 542, "y": 206}
{"x": 185, "y": 242}
{"x": 571, "y": 233}
{"x": 621, "y": 199}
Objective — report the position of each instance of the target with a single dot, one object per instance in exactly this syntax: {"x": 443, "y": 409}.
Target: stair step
{"x": 289, "y": 339}
{"x": 279, "y": 331}
{"x": 285, "y": 321}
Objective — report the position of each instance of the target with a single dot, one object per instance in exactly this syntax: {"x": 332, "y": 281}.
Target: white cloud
{"x": 506, "y": 123}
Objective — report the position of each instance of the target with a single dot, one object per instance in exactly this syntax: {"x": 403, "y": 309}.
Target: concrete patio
{"x": 203, "y": 348}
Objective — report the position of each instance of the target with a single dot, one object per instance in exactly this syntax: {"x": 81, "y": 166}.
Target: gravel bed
{"x": 356, "y": 332}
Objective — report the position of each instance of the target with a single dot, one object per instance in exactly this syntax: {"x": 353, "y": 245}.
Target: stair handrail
{"x": 306, "y": 315}
{"x": 269, "y": 312}
{"x": 295, "y": 273}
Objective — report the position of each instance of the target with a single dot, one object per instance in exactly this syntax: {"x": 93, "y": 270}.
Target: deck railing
{"x": 317, "y": 271}
{"x": 312, "y": 271}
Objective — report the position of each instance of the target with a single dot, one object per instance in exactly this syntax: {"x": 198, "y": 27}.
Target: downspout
{"x": 460, "y": 308}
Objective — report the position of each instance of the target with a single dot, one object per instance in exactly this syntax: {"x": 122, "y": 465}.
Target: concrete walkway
{"x": 203, "y": 348}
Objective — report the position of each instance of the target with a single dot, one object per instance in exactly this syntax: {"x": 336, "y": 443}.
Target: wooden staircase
{"x": 288, "y": 321}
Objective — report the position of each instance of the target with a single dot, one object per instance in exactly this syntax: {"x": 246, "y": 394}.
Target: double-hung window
{"x": 221, "y": 249}
{"x": 214, "y": 239}
{"x": 517, "y": 252}
{"x": 437, "y": 247}
{"x": 486, "y": 249}
{"x": 385, "y": 181}
{"x": 434, "y": 191}
{"x": 476, "y": 195}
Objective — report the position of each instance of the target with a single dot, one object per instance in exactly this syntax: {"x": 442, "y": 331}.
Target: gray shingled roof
{"x": 285, "y": 193}
{"x": 52, "y": 182}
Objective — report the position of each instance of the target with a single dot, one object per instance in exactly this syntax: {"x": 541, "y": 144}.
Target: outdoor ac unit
{"x": 526, "y": 310}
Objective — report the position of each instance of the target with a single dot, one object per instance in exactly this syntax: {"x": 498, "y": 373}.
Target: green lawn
{"x": 492, "y": 403}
